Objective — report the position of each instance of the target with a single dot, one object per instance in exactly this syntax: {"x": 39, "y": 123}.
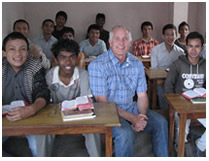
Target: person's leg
{"x": 201, "y": 142}
{"x": 158, "y": 127}
{"x": 93, "y": 144}
{"x": 41, "y": 145}
{"x": 177, "y": 119}
{"x": 161, "y": 99}
{"x": 5, "y": 154}
{"x": 124, "y": 139}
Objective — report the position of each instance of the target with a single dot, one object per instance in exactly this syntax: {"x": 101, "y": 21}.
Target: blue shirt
{"x": 46, "y": 45}
{"x": 117, "y": 81}
{"x": 90, "y": 50}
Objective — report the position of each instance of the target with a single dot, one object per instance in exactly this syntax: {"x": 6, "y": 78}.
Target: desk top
{"x": 183, "y": 105}
{"x": 144, "y": 59}
{"x": 106, "y": 116}
{"x": 156, "y": 73}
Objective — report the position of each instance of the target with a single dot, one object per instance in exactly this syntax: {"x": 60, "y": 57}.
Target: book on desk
{"x": 13, "y": 104}
{"x": 196, "y": 96}
{"x": 78, "y": 109}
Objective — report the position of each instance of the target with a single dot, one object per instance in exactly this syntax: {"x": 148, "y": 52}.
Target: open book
{"x": 196, "y": 92}
{"x": 78, "y": 109}
{"x": 13, "y": 104}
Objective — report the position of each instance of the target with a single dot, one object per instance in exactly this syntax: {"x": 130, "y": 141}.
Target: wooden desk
{"x": 186, "y": 110}
{"x": 153, "y": 76}
{"x": 145, "y": 61}
{"x": 44, "y": 123}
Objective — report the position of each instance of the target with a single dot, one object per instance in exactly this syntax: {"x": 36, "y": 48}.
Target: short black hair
{"x": 14, "y": 36}
{"x": 19, "y": 21}
{"x": 183, "y": 24}
{"x": 146, "y": 23}
{"x": 169, "y": 26}
{"x": 47, "y": 20}
{"x": 195, "y": 35}
{"x": 100, "y": 15}
{"x": 68, "y": 30}
{"x": 65, "y": 45}
{"x": 93, "y": 26}
{"x": 61, "y": 13}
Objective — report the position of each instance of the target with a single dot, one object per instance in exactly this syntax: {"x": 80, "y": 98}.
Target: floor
{"x": 73, "y": 145}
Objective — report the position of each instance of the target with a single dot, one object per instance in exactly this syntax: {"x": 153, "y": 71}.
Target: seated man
{"x": 144, "y": 45}
{"x": 104, "y": 34}
{"x": 186, "y": 73}
{"x": 23, "y": 27}
{"x": 46, "y": 40}
{"x": 67, "y": 81}
{"x": 93, "y": 46}
{"x": 23, "y": 78}
{"x": 184, "y": 30}
{"x": 115, "y": 76}
{"x": 68, "y": 33}
{"x": 163, "y": 55}
{"x": 60, "y": 19}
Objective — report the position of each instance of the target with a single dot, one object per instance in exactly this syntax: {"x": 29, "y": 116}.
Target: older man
{"x": 114, "y": 77}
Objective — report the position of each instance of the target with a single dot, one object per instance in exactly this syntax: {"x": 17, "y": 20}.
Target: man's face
{"x": 22, "y": 28}
{"x": 67, "y": 62}
{"x": 68, "y": 35}
{"x": 184, "y": 31}
{"x": 60, "y": 21}
{"x": 48, "y": 27}
{"x": 16, "y": 53}
{"x": 170, "y": 37}
{"x": 194, "y": 48}
{"x": 147, "y": 32}
{"x": 120, "y": 42}
{"x": 94, "y": 35}
{"x": 100, "y": 22}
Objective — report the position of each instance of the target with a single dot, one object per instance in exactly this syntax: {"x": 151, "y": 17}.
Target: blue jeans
{"x": 124, "y": 136}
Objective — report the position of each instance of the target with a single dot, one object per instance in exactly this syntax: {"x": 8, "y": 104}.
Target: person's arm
{"x": 134, "y": 48}
{"x": 170, "y": 81}
{"x": 20, "y": 113}
{"x": 38, "y": 52}
{"x": 154, "y": 60}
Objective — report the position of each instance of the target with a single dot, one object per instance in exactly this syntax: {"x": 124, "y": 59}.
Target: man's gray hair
{"x": 122, "y": 27}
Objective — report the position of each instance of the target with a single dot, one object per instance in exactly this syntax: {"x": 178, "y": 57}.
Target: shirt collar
{"x": 150, "y": 40}
{"x": 115, "y": 61}
{"x": 56, "y": 78}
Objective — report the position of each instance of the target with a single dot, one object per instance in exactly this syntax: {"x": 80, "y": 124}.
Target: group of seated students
{"x": 114, "y": 76}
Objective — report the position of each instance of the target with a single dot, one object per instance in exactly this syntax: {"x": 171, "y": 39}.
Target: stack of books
{"x": 196, "y": 96}
{"x": 78, "y": 109}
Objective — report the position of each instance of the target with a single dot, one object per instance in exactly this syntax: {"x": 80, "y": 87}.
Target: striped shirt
{"x": 117, "y": 81}
{"x": 143, "y": 47}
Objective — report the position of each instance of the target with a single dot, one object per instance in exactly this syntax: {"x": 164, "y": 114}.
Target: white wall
{"x": 10, "y": 13}
{"x": 82, "y": 14}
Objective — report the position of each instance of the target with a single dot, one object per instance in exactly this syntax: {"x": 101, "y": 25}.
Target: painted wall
{"x": 82, "y": 14}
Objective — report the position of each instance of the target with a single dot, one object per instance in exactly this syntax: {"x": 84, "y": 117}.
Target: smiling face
{"x": 147, "y": 32}
{"x": 120, "y": 43}
{"x": 67, "y": 62}
{"x": 60, "y": 21}
{"x": 48, "y": 28}
{"x": 169, "y": 37}
{"x": 184, "y": 31}
{"x": 93, "y": 36}
{"x": 22, "y": 28}
{"x": 16, "y": 53}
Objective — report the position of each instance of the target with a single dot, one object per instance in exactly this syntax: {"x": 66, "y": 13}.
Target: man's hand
{"x": 20, "y": 113}
{"x": 35, "y": 52}
{"x": 139, "y": 122}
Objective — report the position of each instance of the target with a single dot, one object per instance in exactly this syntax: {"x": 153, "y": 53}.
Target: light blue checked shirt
{"x": 117, "y": 81}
